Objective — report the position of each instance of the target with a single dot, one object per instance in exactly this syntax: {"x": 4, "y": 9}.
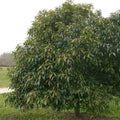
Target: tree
{"x": 62, "y": 63}
{"x": 110, "y": 52}
{"x": 6, "y": 59}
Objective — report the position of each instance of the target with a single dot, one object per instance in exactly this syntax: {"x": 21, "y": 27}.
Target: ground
{"x": 84, "y": 116}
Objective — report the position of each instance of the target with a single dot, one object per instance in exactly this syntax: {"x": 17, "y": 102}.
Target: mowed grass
{"x": 4, "y": 79}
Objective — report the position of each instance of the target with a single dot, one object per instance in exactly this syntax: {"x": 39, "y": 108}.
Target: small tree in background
{"x": 6, "y": 59}
{"x": 67, "y": 61}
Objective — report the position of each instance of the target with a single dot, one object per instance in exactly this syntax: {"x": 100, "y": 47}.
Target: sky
{"x": 16, "y": 17}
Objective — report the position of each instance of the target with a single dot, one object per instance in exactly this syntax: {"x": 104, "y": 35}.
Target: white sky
{"x": 16, "y": 17}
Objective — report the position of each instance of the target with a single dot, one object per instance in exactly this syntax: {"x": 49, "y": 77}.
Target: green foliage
{"x": 7, "y": 112}
{"x": 115, "y": 18}
{"x": 109, "y": 55}
{"x": 69, "y": 60}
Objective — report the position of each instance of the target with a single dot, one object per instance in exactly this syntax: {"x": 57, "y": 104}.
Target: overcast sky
{"x": 16, "y": 17}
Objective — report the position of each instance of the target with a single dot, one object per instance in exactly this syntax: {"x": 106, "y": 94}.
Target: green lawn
{"x": 4, "y": 79}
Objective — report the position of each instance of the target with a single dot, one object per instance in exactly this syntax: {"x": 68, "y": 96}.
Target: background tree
{"x": 6, "y": 59}
{"x": 66, "y": 61}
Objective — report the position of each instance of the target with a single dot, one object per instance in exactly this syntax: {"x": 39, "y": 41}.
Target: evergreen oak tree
{"x": 69, "y": 60}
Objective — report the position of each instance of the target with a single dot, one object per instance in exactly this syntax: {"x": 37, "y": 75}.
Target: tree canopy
{"x": 69, "y": 60}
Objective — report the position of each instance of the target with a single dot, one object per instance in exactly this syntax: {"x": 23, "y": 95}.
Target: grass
{"x": 113, "y": 111}
{"x": 4, "y": 79}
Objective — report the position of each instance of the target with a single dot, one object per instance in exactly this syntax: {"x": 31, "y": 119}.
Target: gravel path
{"x": 5, "y": 90}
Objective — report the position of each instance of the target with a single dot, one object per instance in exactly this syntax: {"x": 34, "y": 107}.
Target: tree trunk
{"x": 77, "y": 110}
{"x": 77, "y": 113}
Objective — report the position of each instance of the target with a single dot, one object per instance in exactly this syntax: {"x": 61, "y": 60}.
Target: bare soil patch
{"x": 84, "y": 116}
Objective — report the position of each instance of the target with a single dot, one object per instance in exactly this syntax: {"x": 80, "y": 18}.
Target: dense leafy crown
{"x": 69, "y": 60}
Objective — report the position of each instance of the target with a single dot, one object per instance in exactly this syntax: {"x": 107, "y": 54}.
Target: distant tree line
{"x": 6, "y": 59}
